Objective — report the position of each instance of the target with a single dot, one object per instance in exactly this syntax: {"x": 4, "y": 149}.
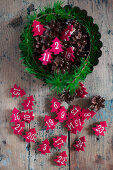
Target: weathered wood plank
{"x": 98, "y": 152}
{"x": 43, "y": 98}
{"x": 15, "y": 154}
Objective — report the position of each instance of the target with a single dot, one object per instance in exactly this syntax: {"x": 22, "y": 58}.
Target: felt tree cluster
{"x": 74, "y": 120}
{"x": 20, "y": 117}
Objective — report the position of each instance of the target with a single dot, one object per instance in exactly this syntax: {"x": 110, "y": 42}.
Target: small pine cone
{"x": 60, "y": 64}
{"x": 97, "y": 103}
{"x": 66, "y": 97}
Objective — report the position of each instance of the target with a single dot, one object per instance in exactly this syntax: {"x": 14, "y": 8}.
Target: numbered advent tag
{"x": 38, "y": 28}
{"x": 30, "y": 135}
{"x": 44, "y": 147}
{"x": 61, "y": 159}
{"x": 15, "y": 116}
{"x": 27, "y": 116}
{"x": 61, "y": 114}
{"x": 18, "y": 128}
{"x": 59, "y": 141}
{"x": 56, "y": 46}
{"x": 68, "y": 53}
{"x": 46, "y": 57}
{"x": 17, "y": 91}
{"x": 50, "y": 123}
{"x": 80, "y": 144}
{"x": 28, "y": 103}
{"x": 100, "y": 128}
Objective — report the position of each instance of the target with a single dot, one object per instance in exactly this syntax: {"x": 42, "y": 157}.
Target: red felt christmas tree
{"x": 50, "y": 123}
{"x": 55, "y": 105}
{"x": 59, "y": 141}
{"x": 15, "y": 116}
{"x": 86, "y": 114}
{"x": 38, "y": 28}
{"x": 17, "y": 91}
{"x": 18, "y": 128}
{"x": 46, "y": 57}
{"x": 26, "y": 116}
{"x": 81, "y": 92}
{"x": 28, "y": 103}
{"x": 44, "y": 148}
{"x": 56, "y": 46}
{"x": 100, "y": 128}
{"x": 80, "y": 144}
{"x": 67, "y": 33}
{"x": 30, "y": 135}
{"x": 61, "y": 159}
{"x": 61, "y": 114}
{"x": 68, "y": 53}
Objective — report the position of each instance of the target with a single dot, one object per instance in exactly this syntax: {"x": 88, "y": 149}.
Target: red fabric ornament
{"x": 46, "y": 57}
{"x": 50, "y": 123}
{"x": 69, "y": 54}
{"x": 18, "y": 128}
{"x": 38, "y": 28}
{"x": 56, "y": 46}
{"x": 67, "y": 33}
{"x": 61, "y": 159}
{"x": 100, "y": 128}
{"x": 17, "y": 91}
{"x": 70, "y": 126}
{"x": 30, "y": 135}
{"x": 74, "y": 111}
{"x": 15, "y": 117}
{"x": 81, "y": 92}
{"x": 86, "y": 114}
{"x": 27, "y": 116}
{"x": 61, "y": 114}
{"x": 44, "y": 148}
{"x": 59, "y": 141}
{"x": 74, "y": 124}
{"x": 80, "y": 144}
{"x": 55, "y": 105}
{"x": 28, "y": 103}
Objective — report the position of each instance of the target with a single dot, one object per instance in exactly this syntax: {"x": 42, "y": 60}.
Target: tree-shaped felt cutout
{"x": 46, "y": 57}
{"x": 28, "y": 103}
{"x": 17, "y": 91}
{"x": 59, "y": 141}
{"x": 26, "y": 116}
{"x": 55, "y": 105}
{"x": 38, "y": 28}
{"x": 81, "y": 91}
{"x": 18, "y": 128}
{"x": 74, "y": 111}
{"x": 56, "y": 46}
{"x": 100, "y": 128}
{"x": 67, "y": 33}
{"x": 61, "y": 159}
{"x": 68, "y": 53}
{"x": 86, "y": 114}
{"x": 44, "y": 147}
{"x": 30, "y": 135}
{"x": 50, "y": 123}
{"x": 80, "y": 144}
{"x": 61, "y": 114}
{"x": 15, "y": 116}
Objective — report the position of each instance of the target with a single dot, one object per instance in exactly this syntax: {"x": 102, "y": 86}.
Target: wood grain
{"x": 98, "y": 152}
{"x": 15, "y": 153}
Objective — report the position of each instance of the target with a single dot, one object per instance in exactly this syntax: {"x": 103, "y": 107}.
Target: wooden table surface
{"x": 15, "y": 153}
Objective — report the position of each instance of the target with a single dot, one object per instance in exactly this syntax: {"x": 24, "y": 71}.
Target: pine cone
{"x": 97, "y": 102}
{"x": 60, "y": 64}
{"x": 79, "y": 40}
{"x": 66, "y": 96}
